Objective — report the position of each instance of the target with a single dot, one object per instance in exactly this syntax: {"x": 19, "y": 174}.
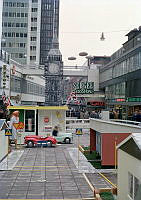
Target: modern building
{"x": 120, "y": 79}
{"x": 23, "y": 89}
{"x": 27, "y": 29}
{"x": 129, "y": 165}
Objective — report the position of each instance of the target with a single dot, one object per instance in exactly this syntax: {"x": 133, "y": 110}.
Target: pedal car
{"x": 34, "y": 140}
{"x": 64, "y": 137}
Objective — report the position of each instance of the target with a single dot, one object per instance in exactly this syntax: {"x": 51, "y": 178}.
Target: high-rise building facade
{"x": 27, "y": 29}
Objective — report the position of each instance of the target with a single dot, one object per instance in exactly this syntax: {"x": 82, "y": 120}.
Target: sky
{"x": 83, "y": 21}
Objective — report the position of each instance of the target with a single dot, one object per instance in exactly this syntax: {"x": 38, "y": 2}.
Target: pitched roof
{"x": 3, "y": 124}
{"x": 132, "y": 145}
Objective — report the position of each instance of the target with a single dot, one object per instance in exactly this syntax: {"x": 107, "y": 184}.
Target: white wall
{"x": 93, "y": 76}
{"x": 126, "y": 163}
{"x": 3, "y": 144}
{"x": 113, "y": 127}
{"x": 56, "y": 118}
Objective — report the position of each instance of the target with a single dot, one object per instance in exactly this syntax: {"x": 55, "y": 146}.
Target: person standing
{"x": 55, "y": 131}
{"x": 14, "y": 120}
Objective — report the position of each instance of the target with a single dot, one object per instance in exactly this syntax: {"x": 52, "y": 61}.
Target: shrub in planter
{"x": 106, "y": 196}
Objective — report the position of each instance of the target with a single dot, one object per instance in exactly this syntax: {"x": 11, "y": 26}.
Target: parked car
{"x": 34, "y": 140}
{"x": 64, "y": 137}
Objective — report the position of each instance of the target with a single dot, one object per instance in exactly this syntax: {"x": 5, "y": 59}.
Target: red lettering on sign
{"x": 46, "y": 119}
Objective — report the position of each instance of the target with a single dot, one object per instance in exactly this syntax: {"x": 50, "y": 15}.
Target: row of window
{"x": 18, "y": 55}
{"x": 129, "y": 65}
{"x": 47, "y": 26}
{"x": 115, "y": 91}
{"x": 13, "y": 34}
{"x": 13, "y": 44}
{"x": 15, "y": 4}
{"x": 32, "y": 88}
{"x": 12, "y": 24}
{"x": 14, "y": 14}
{"x": 34, "y": 1}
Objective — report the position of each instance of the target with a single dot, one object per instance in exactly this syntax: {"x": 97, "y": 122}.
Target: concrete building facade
{"x": 27, "y": 29}
{"x": 120, "y": 78}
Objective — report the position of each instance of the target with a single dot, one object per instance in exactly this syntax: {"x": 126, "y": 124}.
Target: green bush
{"x": 106, "y": 196}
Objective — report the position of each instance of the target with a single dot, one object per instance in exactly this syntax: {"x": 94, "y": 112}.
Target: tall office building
{"x": 27, "y": 29}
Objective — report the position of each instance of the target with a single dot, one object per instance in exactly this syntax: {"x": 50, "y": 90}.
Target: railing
{"x": 73, "y": 124}
{"x": 126, "y": 121}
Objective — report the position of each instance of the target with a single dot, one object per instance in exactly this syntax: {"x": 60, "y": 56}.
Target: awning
{"x": 38, "y": 107}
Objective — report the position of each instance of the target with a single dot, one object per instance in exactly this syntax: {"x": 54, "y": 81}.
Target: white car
{"x": 64, "y": 137}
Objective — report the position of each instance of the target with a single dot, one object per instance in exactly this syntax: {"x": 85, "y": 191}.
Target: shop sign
{"x": 83, "y": 87}
{"x": 46, "y": 119}
{"x": 134, "y": 99}
{"x": 96, "y": 103}
{"x": 19, "y": 125}
{"x": 118, "y": 100}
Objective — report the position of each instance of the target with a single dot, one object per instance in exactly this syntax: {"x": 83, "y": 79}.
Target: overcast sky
{"x": 83, "y": 21}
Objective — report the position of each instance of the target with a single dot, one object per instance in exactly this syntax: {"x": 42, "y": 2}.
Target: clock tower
{"x": 54, "y": 76}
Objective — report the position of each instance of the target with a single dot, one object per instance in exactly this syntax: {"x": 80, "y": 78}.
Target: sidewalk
{"x": 44, "y": 173}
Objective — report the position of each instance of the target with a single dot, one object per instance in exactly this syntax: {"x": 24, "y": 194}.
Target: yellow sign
{"x": 8, "y": 132}
{"x": 79, "y": 131}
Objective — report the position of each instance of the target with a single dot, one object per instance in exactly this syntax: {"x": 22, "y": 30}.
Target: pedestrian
{"x": 55, "y": 131}
{"x": 14, "y": 120}
{"x": 135, "y": 115}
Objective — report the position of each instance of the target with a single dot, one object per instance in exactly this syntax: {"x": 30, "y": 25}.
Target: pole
{"x": 7, "y": 152}
{"x": 115, "y": 153}
{"x": 78, "y": 150}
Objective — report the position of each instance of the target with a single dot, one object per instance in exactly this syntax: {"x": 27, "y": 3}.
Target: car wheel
{"x": 30, "y": 144}
{"x": 49, "y": 143}
{"x": 67, "y": 140}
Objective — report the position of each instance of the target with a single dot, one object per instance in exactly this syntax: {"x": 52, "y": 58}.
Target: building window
{"x": 33, "y": 38}
{"x": 32, "y": 58}
{"x": 22, "y": 14}
{"x": 34, "y": 9}
{"x": 34, "y": 19}
{"x": 34, "y": 1}
{"x": 134, "y": 187}
{"x": 33, "y": 28}
{"x": 33, "y": 48}
{"x": 18, "y": 14}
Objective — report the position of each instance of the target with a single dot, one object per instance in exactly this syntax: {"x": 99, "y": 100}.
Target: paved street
{"x": 49, "y": 173}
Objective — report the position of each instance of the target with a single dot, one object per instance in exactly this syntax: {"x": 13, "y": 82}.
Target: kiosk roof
{"x": 38, "y": 107}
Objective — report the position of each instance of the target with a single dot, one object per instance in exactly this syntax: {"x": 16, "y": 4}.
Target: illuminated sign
{"x": 96, "y": 103}
{"x": 120, "y": 100}
{"x": 134, "y": 99}
{"x": 83, "y": 87}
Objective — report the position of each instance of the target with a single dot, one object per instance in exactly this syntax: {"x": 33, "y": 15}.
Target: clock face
{"x": 53, "y": 68}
